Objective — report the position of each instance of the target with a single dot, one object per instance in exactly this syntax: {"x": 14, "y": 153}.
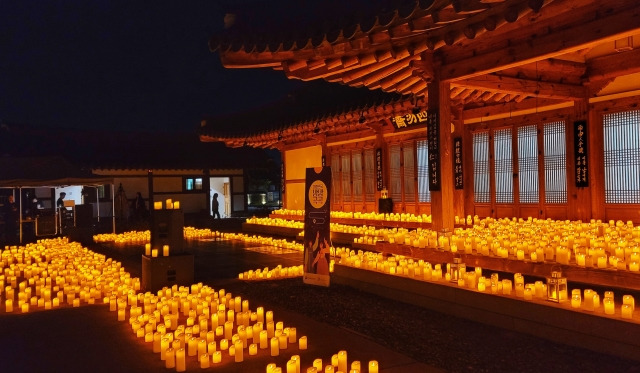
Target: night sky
{"x": 122, "y": 65}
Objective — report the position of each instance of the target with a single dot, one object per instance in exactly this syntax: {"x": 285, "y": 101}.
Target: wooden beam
{"x": 612, "y": 66}
{"x": 605, "y": 27}
{"x": 522, "y": 86}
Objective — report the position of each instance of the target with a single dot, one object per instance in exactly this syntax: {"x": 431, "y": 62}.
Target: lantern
{"x": 556, "y": 287}
{"x": 456, "y": 269}
{"x": 384, "y": 193}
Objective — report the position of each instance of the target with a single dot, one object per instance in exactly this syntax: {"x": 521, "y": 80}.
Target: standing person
{"x": 215, "y": 206}
{"x": 60, "y": 201}
{"x": 139, "y": 207}
{"x": 11, "y": 216}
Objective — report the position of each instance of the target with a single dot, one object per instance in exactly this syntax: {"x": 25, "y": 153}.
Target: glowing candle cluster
{"x": 131, "y": 237}
{"x": 276, "y": 273}
{"x": 337, "y": 363}
{"x": 276, "y": 222}
{"x": 52, "y": 273}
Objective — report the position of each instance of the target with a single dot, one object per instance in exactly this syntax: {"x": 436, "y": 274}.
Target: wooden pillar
{"x": 442, "y": 210}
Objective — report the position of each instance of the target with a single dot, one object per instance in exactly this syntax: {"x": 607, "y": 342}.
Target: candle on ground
{"x": 253, "y": 349}
{"x": 373, "y": 366}
{"x": 181, "y": 361}
{"x": 170, "y": 358}
{"x": 342, "y": 361}
{"x": 275, "y": 346}
{"x": 204, "y": 361}
{"x": 302, "y": 343}
{"x": 239, "y": 357}
{"x": 217, "y": 357}
{"x": 263, "y": 339}
{"x": 165, "y": 250}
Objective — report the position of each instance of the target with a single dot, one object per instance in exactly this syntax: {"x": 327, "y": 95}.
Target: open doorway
{"x": 220, "y": 185}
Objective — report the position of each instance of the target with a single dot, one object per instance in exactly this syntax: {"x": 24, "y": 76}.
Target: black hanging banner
{"x": 317, "y": 223}
{"x": 379, "y": 183}
{"x": 581, "y": 153}
{"x": 457, "y": 163}
{"x": 433, "y": 138}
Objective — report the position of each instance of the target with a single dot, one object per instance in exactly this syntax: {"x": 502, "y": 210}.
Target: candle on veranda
{"x": 609, "y": 306}
{"x": 626, "y": 311}
{"x": 157, "y": 205}
{"x": 260, "y": 314}
{"x": 165, "y": 250}
{"x": 147, "y": 249}
{"x": 181, "y": 360}
{"x": 373, "y": 366}
{"x": 154, "y": 253}
{"x": 169, "y": 204}
{"x": 628, "y": 299}
{"x": 176, "y": 205}
{"x": 576, "y": 300}
{"x": 342, "y": 361}
{"x": 302, "y": 343}
{"x": 275, "y": 346}
{"x": 170, "y": 358}
{"x": 8, "y": 305}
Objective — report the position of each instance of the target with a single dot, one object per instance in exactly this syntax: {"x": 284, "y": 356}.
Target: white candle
{"x": 176, "y": 205}
{"x": 263, "y": 339}
{"x": 147, "y": 249}
{"x": 170, "y": 358}
{"x": 239, "y": 356}
{"x": 626, "y": 311}
{"x": 342, "y": 361}
{"x": 165, "y": 250}
{"x": 154, "y": 253}
{"x": 204, "y": 361}
{"x": 217, "y": 357}
{"x": 302, "y": 343}
{"x": 181, "y": 363}
{"x": 373, "y": 366}
{"x": 275, "y": 346}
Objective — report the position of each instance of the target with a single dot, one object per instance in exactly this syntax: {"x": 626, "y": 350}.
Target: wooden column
{"x": 442, "y": 210}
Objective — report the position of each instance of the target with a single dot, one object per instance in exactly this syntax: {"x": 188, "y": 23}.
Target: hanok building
{"x": 503, "y": 108}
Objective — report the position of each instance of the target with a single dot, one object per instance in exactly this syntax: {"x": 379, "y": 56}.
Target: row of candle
{"x": 338, "y": 363}
{"x": 514, "y": 239}
{"x": 51, "y": 272}
{"x": 279, "y": 272}
{"x": 139, "y": 237}
{"x": 474, "y": 280}
{"x": 393, "y": 217}
{"x": 169, "y": 205}
{"x": 153, "y": 252}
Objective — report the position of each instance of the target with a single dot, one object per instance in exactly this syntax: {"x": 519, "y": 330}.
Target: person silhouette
{"x": 215, "y": 206}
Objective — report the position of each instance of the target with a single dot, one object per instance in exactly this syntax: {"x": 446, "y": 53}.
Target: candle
{"x": 181, "y": 363}
{"x": 154, "y": 253}
{"x": 239, "y": 351}
{"x": 342, "y": 361}
{"x": 165, "y": 250}
{"x": 204, "y": 361}
{"x": 170, "y": 358}
{"x": 217, "y": 357}
{"x": 253, "y": 349}
{"x": 373, "y": 366}
{"x": 224, "y": 344}
{"x": 176, "y": 205}
{"x": 283, "y": 339}
{"x": 8, "y": 304}
{"x": 634, "y": 267}
{"x": 291, "y": 366}
{"x": 147, "y": 249}
{"x": 157, "y": 205}
{"x": 275, "y": 346}
{"x": 626, "y": 311}
{"x": 169, "y": 204}
{"x": 609, "y": 306}
{"x": 263, "y": 339}
{"x": 576, "y": 300}
{"x": 260, "y": 314}
{"x": 302, "y": 342}
{"x": 602, "y": 262}
{"x": 317, "y": 363}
